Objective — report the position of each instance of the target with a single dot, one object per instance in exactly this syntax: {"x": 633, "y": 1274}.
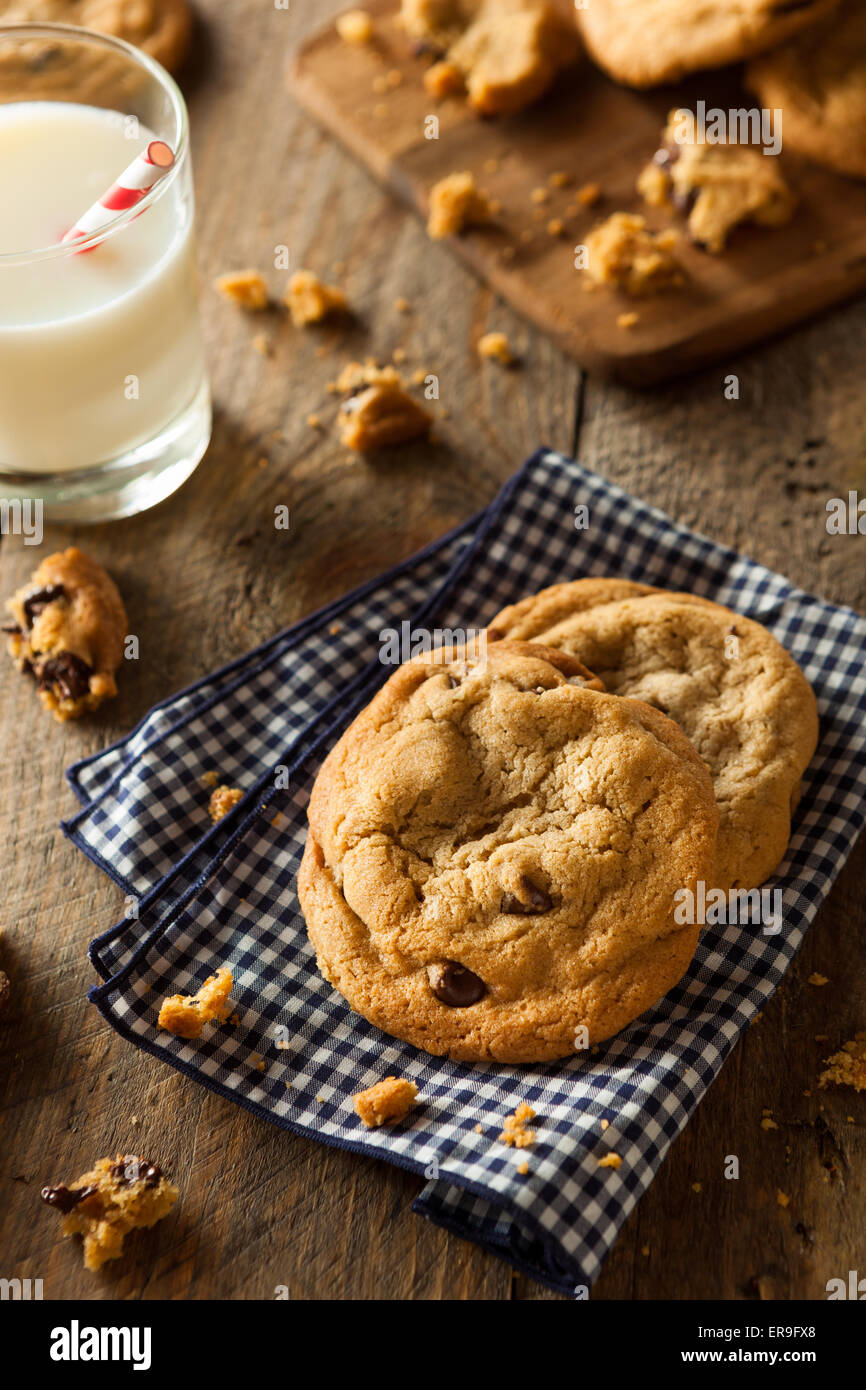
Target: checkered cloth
{"x": 202, "y": 897}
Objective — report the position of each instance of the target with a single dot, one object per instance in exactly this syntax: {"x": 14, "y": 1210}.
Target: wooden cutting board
{"x": 595, "y": 131}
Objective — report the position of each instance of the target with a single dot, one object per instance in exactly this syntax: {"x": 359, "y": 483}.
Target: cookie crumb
{"x": 848, "y": 1066}
{"x": 767, "y": 1123}
{"x": 263, "y": 345}
{"x": 444, "y": 79}
{"x": 314, "y": 422}
{"x": 610, "y": 1160}
{"x": 605, "y": 1124}
{"x": 355, "y": 26}
{"x": 697, "y": 1187}
{"x": 588, "y": 194}
{"x": 455, "y": 203}
{"x": 386, "y": 1102}
{"x": 515, "y": 1133}
{"x": 560, "y": 179}
{"x": 816, "y": 979}
{"x": 402, "y": 305}
{"x": 246, "y": 288}
{"x": 523, "y": 1168}
{"x": 644, "y": 1250}
{"x": 309, "y": 300}
{"x": 540, "y": 195}
{"x": 555, "y": 227}
{"x": 782, "y": 1198}
{"x": 210, "y": 779}
{"x": 623, "y": 252}
{"x": 479, "y": 1128}
{"x": 186, "y": 1014}
{"x": 496, "y": 346}
{"x": 822, "y": 1037}
{"x": 378, "y": 412}
{"x": 627, "y": 320}
{"x": 223, "y": 800}
{"x": 115, "y": 1197}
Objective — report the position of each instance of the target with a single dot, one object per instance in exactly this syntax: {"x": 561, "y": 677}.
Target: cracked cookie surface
{"x": 645, "y": 43}
{"x": 736, "y": 692}
{"x": 67, "y": 631}
{"x": 493, "y": 853}
{"x": 819, "y": 81}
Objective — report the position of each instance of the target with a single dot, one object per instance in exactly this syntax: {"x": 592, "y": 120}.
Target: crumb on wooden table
{"x": 309, "y": 300}
{"x": 496, "y": 346}
{"x": 847, "y": 1067}
{"x": 386, "y": 1102}
{"x": 244, "y": 287}
{"x": 456, "y": 202}
{"x": 355, "y": 26}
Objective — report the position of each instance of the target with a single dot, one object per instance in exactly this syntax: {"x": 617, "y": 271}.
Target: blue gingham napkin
{"x": 201, "y": 897}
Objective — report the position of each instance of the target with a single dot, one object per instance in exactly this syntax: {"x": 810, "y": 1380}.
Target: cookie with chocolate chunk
{"x": 494, "y": 849}
{"x": 741, "y": 698}
{"x": 67, "y": 631}
{"x": 114, "y": 1197}
{"x": 645, "y": 43}
{"x": 819, "y": 82}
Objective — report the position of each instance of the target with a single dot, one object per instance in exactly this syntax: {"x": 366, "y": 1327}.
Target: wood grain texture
{"x": 598, "y": 132}
{"x": 206, "y": 576}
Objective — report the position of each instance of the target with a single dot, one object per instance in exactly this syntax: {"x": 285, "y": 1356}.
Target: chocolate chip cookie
{"x": 740, "y": 697}
{"x": 645, "y": 43}
{"x": 493, "y": 854}
{"x": 115, "y": 1197}
{"x": 67, "y": 631}
{"x": 716, "y": 186}
{"x": 160, "y": 27}
{"x": 819, "y": 82}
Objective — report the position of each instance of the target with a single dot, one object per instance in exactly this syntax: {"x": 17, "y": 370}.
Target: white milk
{"x": 100, "y": 351}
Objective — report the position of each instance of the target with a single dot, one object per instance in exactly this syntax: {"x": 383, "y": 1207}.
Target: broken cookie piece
{"x": 186, "y": 1014}
{"x": 386, "y": 1102}
{"x": 222, "y": 800}
{"x": 625, "y": 253}
{"x": 497, "y": 347}
{"x": 455, "y": 203}
{"x": 116, "y": 1196}
{"x": 246, "y": 288}
{"x": 506, "y": 53}
{"x": 67, "y": 631}
{"x": 848, "y": 1066}
{"x": 309, "y": 300}
{"x": 356, "y": 27}
{"x": 716, "y": 186}
{"x": 378, "y": 411}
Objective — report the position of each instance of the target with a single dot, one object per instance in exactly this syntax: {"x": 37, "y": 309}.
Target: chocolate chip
{"x": 130, "y": 1170}
{"x": 534, "y": 900}
{"x": 66, "y": 1199}
{"x": 454, "y": 985}
{"x": 66, "y": 674}
{"x": 37, "y": 599}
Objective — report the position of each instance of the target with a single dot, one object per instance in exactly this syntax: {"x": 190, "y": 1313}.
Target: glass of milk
{"x": 104, "y": 400}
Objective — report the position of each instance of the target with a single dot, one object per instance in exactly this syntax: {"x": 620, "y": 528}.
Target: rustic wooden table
{"x": 206, "y": 576}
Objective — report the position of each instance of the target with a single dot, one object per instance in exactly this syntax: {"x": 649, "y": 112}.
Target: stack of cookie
{"x": 498, "y": 842}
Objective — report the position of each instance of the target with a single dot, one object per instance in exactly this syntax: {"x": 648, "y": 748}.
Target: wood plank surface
{"x": 602, "y": 133}
{"x": 206, "y": 576}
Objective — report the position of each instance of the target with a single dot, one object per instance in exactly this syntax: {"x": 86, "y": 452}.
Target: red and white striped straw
{"x": 145, "y": 170}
